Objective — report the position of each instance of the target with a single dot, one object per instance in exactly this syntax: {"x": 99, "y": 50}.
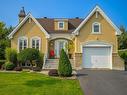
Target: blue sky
{"x": 115, "y": 9}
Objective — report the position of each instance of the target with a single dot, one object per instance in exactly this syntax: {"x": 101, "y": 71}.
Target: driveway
{"x": 103, "y": 82}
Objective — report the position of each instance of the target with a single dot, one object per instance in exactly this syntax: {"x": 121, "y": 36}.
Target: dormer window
{"x": 96, "y": 28}
{"x": 61, "y": 25}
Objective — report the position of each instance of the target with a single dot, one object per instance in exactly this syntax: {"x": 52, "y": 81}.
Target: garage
{"x": 95, "y": 56}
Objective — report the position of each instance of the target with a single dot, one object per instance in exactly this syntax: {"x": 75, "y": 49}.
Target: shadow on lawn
{"x": 40, "y": 83}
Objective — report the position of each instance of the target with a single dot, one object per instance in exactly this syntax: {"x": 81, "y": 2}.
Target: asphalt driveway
{"x": 103, "y": 82}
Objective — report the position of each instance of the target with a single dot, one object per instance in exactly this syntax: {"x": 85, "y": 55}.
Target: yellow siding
{"x": 30, "y": 30}
{"x": 65, "y": 24}
{"x": 107, "y": 33}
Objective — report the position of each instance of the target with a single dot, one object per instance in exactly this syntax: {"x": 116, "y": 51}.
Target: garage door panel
{"x": 96, "y": 57}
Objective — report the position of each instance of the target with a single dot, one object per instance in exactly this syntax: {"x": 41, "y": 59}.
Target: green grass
{"x": 36, "y": 84}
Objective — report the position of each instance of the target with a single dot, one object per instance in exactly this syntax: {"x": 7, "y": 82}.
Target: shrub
{"x": 123, "y": 55}
{"x": 11, "y": 55}
{"x": 53, "y": 72}
{"x": 9, "y": 66}
{"x": 18, "y": 68}
{"x": 28, "y": 54}
{"x": 1, "y": 63}
{"x": 64, "y": 68}
{"x": 39, "y": 61}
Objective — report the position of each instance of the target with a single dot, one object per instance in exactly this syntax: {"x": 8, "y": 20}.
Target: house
{"x": 90, "y": 42}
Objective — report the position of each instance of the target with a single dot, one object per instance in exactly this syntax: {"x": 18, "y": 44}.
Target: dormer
{"x": 61, "y": 24}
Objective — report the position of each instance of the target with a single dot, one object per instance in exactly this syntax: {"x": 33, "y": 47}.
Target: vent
{"x": 77, "y": 17}
{"x": 45, "y": 17}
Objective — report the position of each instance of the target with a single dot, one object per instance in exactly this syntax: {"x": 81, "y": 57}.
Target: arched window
{"x": 22, "y": 43}
{"x": 96, "y": 28}
{"x": 36, "y": 42}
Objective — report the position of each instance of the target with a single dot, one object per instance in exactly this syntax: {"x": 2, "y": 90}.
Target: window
{"x": 61, "y": 25}
{"x": 96, "y": 27}
{"x": 26, "y": 64}
{"x": 35, "y": 43}
{"x": 22, "y": 43}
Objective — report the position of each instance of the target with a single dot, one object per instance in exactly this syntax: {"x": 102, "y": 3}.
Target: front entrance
{"x": 59, "y": 45}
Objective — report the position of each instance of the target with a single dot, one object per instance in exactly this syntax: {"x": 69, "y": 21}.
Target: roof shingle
{"x": 48, "y": 24}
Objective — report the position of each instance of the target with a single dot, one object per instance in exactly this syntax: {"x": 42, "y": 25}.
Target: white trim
{"x": 23, "y": 21}
{"x": 59, "y": 25}
{"x": 22, "y": 37}
{"x": 96, "y": 23}
{"x": 98, "y": 9}
{"x": 35, "y": 37}
{"x": 60, "y": 36}
{"x": 96, "y": 14}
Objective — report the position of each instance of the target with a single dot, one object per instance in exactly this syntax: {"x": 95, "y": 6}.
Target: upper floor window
{"x": 36, "y": 42}
{"x": 22, "y": 43}
{"x": 61, "y": 25}
{"x": 96, "y": 28}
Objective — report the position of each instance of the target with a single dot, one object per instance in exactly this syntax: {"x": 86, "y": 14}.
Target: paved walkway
{"x": 102, "y": 82}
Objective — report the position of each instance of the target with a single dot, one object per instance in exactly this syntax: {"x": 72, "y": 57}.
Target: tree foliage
{"x": 11, "y": 55}
{"x": 4, "y": 41}
{"x": 65, "y": 68}
{"x": 122, "y": 39}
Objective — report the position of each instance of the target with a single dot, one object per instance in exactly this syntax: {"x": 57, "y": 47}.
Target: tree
{"x": 65, "y": 68}
{"x": 122, "y": 39}
{"x": 4, "y": 41}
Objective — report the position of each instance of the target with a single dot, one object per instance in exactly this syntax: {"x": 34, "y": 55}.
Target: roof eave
{"x": 10, "y": 36}
{"x": 97, "y": 8}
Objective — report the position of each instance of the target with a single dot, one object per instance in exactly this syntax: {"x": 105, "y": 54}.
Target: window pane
{"x": 20, "y": 45}
{"x": 33, "y": 43}
{"x": 96, "y": 28}
{"x": 60, "y": 25}
{"x": 23, "y": 64}
{"x": 25, "y": 44}
{"x": 37, "y": 44}
{"x": 28, "y": 64}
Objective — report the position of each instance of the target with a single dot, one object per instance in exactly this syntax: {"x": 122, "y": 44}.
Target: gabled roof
{"x": 23, "y": 21}
{"x": 98, "y": 9}
{"x": 48, "y": 24}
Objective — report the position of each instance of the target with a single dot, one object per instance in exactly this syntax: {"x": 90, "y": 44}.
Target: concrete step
{"x": 53, "y": 63}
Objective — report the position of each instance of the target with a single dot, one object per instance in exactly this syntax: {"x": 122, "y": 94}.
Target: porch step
{"x": 53, "y": 63}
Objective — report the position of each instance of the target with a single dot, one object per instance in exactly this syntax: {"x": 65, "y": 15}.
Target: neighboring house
{"x": 90, "y": 42}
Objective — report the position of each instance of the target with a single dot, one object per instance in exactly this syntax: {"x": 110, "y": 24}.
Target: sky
{"x": 116, "y": 10}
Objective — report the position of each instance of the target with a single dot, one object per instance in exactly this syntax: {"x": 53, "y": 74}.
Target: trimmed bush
{"x": 39, "y": 61}
{"x": 53, "y": 72}
{"x": 11, "y": 55}
{"x": 18, "y": 68}
{"x": 28, "y": 54}
{"x": 64, "y": 68}
{"x": 9, "y": 66}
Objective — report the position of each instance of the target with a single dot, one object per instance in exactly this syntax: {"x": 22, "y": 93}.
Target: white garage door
{"x": 96, "y": 57}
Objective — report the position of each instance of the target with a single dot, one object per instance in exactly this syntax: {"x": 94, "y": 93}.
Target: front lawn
{"x": 36, "y": 84}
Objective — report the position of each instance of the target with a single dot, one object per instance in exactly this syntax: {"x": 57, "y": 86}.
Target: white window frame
{"x": 59, "y": 25}
{"x": 22, "y": 38}
{"x": 36, "y": 38}
{"x": 96, "y": 23}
